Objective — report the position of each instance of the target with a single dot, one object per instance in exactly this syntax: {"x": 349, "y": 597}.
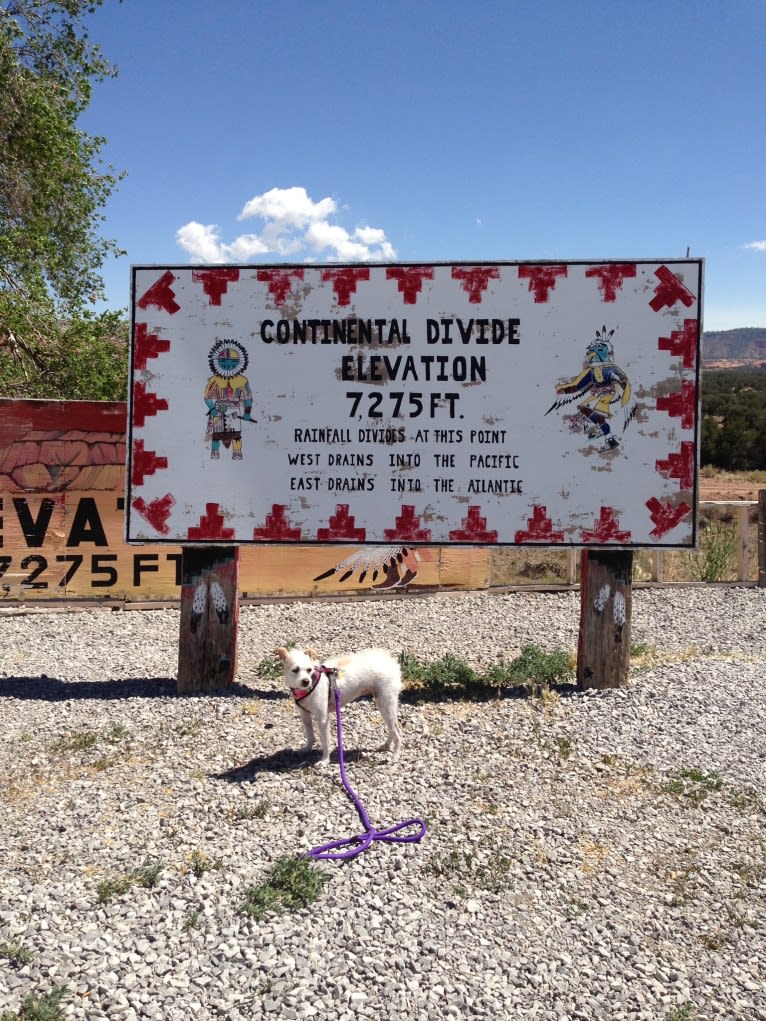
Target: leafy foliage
{"x": 53, "y": 186}
{"x": 534, "y": 668}
{"x": 39, "y": 1007}
{"x": 293, "y": 883}
{"x": 734, "y": 419}
{"x": 538, "y": 667}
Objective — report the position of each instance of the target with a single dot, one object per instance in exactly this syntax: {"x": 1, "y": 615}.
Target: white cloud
{"x": 370, "y": 235}
{"x": 292, "y": 224}
{"x": 204, "y": 244}
{"x": 758, "y": 246}
{"x": 290, "y": 206}
{"x": 321, "y": 236}
{"x": 201, "y": 242}
{"x": 245, "y": 247}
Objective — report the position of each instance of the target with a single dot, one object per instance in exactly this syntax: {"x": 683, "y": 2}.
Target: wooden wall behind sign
{"x": 62, "y": 486}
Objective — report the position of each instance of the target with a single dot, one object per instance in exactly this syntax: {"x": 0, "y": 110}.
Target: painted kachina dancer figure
{"x": 228, "y": 397}
{"x": 603, "y": 391}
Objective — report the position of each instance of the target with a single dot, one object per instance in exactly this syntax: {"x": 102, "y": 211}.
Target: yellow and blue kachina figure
{"x": 603, "y": 390}
{"x": 228, "y": 397}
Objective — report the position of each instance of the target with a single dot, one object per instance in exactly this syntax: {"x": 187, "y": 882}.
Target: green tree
{"x": 53, "y": 186}
{"x": 734, "y": 419}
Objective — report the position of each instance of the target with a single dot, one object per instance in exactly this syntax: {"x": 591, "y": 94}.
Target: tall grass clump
{"x": 714, "y": 559}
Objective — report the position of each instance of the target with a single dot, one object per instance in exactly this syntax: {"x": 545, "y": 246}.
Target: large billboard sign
{"x": 442, "y": 403}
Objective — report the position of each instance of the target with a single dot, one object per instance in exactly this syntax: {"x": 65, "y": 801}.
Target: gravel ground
{"x": 588, "y": 856}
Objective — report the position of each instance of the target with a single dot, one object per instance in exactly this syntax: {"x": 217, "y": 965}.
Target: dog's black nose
{"x": 305, "y": 683}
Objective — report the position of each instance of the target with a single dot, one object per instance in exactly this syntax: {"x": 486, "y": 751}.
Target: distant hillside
{"x": 743, "y": 346}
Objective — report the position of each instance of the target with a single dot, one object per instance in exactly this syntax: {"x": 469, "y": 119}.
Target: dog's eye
{"x": 296, "y": 669}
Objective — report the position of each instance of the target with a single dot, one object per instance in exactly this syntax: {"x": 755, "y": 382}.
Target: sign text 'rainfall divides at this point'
{"x": 548, "y": 404}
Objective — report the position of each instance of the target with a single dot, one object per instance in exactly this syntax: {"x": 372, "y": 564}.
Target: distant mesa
{"x": 734, "y": 349}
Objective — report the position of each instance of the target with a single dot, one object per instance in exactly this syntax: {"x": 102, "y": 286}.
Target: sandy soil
{"x": 727, "y": 489}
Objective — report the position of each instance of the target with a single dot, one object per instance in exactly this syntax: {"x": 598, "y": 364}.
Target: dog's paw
{"x": 323, "y": 763}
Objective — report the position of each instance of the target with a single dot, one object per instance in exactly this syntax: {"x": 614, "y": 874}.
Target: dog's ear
{"x": 282, "y": 653}
{"x": 312, "y": 653}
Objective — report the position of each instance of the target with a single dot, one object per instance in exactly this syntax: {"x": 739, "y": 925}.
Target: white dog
{"x": 368, "y": 672}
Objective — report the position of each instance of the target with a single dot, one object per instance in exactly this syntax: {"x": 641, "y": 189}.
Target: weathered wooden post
{"x": 606, "y": 598}
{"x": 207, "y": 641}
{"x": 762, "y": 538}
{"x": 743, "y": 541}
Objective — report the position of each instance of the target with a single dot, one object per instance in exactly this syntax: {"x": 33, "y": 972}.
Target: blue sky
{"x": 417, "y": 130}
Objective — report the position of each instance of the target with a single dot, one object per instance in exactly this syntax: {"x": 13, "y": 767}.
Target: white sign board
{"x": 505, "y": 403}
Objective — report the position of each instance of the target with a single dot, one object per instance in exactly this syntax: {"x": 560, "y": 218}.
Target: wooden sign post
{"x": 606, "y": 597}
{"x": 762, "y": 538}
{"x": 207, "y": 646}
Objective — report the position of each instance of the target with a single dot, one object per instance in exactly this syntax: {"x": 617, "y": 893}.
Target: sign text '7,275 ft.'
{"x": 503, "y": 403}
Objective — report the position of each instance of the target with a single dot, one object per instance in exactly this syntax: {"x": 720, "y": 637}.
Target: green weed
{"x": 39, "y": 1007}
{"x": 573, "y": 907}
{"x": 640, "y": 649}
{"x": 192, "y": 920}
{"x": 270, "y": 667}
{"x": 187, "y": 729}
{"x": 257, "y": 811}
{"x": 692, "y": 785}
{"x": 750, "y": 874}
{"x": 448, "y": 676}
{"x": 116, "y": 733}
{"x": 463, "y": 867}
{"x": 682, "y": 884}
{"x": 535, "y": 669}
{"x": 630, "y": 771}
{"x": 77, "y": 742}
{"x": 736, "y": 918}
{"x": 147, "y": 875}
{"x": 15, "y": 953}
{"x": 87, "y": 739}
{"x": 450, "y": 672}
{"x": 199, "y": 863}
{"x": 714, "y": 559}
{"x": 563, "y": 746}
{"x": 747, "y": 799}
{"x": 294, "y": 882}
{"x": 686, "y": 1012}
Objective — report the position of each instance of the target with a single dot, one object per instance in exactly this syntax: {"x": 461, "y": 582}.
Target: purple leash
{"x": 356, "y": 844}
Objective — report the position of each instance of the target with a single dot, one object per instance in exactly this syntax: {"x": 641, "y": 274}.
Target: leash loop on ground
{"x": 349, "y": 847}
